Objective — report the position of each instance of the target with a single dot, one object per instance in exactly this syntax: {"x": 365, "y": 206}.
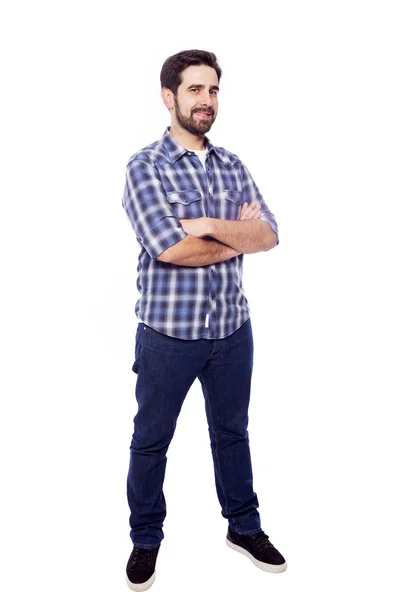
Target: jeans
{"x": 166, "y": 367}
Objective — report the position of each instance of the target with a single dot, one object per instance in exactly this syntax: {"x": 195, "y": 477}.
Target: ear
{"x": 168, "y": 98}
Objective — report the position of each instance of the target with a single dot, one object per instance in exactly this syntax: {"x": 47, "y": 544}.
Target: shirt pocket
{"x": 186, "y": 204}
{"x": 232, "y": 204}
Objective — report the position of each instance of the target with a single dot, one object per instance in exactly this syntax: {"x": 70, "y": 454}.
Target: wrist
{"x": 210, "y": 226}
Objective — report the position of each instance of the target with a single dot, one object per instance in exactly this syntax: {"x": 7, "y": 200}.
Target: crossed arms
{"x": 230, "y": 238}
{"x": 193, "y": 242}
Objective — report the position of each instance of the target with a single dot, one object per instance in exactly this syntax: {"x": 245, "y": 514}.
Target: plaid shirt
{"x": 164, "y": 183}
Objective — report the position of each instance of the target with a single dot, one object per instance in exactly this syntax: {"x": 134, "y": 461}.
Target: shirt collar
{"x": 175, "y": 150}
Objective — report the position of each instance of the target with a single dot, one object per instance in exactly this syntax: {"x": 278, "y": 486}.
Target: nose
{"x": 206, "y": 99}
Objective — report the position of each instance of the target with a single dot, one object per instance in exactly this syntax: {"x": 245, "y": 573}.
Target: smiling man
{"x": 196, "y": 211}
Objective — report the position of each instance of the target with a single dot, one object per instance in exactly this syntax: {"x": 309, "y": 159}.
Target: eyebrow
{"x": 212, "y": 87}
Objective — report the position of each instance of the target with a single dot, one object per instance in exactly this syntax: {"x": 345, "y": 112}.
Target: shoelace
{"x": 262, "y": 541}
{"x": 142, "y": 555}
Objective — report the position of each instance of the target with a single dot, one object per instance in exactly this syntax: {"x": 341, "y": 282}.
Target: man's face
{"x": 196, "y": 101}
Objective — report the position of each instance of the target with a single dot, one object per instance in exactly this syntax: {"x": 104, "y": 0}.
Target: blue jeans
{"x": 166, "y": 367}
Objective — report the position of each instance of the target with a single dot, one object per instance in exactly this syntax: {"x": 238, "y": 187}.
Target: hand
{"x": 195, "y": 227}
{"x": 248, "y": 212}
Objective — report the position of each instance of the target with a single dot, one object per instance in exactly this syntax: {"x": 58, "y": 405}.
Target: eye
{"x": 194, "y": 89}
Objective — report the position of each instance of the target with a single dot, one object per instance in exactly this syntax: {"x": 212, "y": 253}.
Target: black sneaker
{"x": 141, "y": 568}
{"x": 259, "y": 550}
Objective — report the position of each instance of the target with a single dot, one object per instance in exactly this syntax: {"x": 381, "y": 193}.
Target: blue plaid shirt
{"x": 165, "y": 183}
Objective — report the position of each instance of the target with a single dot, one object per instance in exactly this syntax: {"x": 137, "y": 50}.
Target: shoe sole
{"x": 261, "y": 565}
{"x": 141, "y": 587}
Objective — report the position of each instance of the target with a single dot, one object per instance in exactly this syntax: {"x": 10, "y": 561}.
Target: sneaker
{"x": 259, "y": 550}
{"x": 141, "y": 568}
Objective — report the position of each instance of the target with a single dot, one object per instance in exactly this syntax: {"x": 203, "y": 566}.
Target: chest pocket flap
{"x": 234, "y": 196}
{"x": 184, "y": 197}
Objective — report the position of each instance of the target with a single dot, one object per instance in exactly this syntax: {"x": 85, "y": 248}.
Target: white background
{"x": 310, "y": 102}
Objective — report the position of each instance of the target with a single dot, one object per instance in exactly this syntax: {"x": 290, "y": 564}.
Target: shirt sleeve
{"x": 148, "y": 209}
{"x": 251, "y": 193}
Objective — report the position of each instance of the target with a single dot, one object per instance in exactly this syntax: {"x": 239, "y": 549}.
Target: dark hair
{"x": 172, "y": 68}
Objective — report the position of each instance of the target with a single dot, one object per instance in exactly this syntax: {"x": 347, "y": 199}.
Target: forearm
{"x": 197, "y": 252}
{"x": 245, "y": 236}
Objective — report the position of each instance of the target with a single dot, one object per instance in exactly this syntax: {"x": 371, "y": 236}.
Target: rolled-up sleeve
{"x": 251, "y": 193}
{"x": 148, "y": 209}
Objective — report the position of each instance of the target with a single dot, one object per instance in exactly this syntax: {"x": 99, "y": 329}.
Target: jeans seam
{"x": 252, "y": 531}
{"x": 216, "y": 441}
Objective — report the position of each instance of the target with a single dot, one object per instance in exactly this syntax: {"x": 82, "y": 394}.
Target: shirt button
{"x": 212, "y": 297}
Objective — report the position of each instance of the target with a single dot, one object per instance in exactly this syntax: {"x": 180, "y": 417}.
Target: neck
{"x": 188, "y": 140}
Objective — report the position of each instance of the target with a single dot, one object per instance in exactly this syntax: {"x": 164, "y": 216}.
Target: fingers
{"x": 249, "y": 211}
{"x": 252, "y": 211}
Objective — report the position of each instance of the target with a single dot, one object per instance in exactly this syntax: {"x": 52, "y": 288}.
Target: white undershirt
{"x": 202, "y": 156}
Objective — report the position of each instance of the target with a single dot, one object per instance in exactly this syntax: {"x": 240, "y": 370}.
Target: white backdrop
{"x": 310, "y": 102}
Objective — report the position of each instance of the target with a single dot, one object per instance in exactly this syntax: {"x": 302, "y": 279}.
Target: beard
{"x": 193, "y": 125}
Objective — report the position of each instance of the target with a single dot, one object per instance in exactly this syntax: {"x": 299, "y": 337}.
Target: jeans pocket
{"x": 138, "y": 347}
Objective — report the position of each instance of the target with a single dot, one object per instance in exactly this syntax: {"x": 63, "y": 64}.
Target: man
{"x": 195, "y": 210}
